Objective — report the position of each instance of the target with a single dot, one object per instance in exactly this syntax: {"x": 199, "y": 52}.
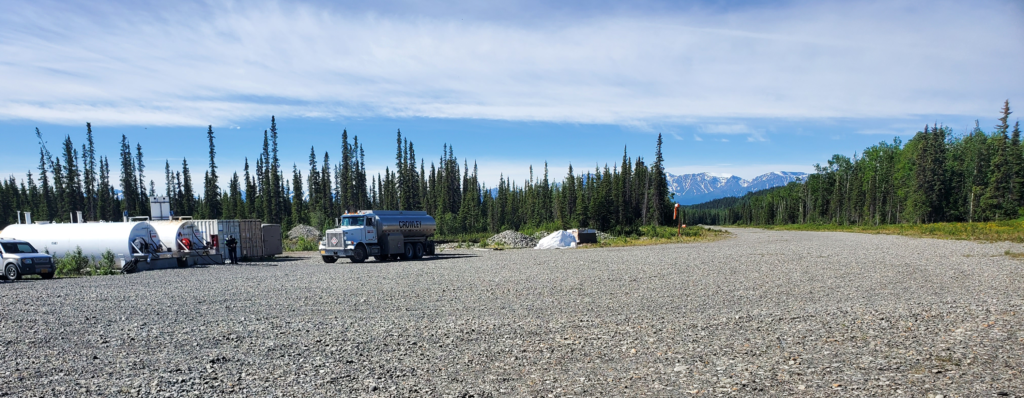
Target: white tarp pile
{"x": 557, "y": 240}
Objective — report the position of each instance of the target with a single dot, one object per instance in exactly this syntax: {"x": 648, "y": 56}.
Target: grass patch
{"x": 1014, "y": 254}
{"x": 74, "y": 263}
{"x": 998, "y": 231}
{"x": 662, "y": 235}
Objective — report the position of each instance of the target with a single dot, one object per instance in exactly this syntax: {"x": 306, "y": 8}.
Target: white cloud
{"x": 726, "y": 129}
{"x": 220, "y": 63}
{"x": 697, "y": 138}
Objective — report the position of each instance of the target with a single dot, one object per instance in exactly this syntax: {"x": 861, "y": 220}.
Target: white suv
{"x": 20, "y": 258}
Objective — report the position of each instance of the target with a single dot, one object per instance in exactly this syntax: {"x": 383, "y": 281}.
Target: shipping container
{"x": 216, "y": 232}
{"x": 250, "y": 238}
{"x": 248, "y": 233}
{"x": 272, "y": 239}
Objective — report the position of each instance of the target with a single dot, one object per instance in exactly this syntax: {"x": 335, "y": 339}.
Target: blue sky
{"x": 738, "y": 88}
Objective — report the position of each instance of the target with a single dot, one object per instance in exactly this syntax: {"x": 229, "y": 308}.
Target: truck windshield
{"x": 18, "y": 247}
{"x": 351, "y": 221}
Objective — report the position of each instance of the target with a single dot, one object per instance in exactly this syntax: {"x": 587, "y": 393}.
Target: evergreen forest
{"x": 621, "y": 199}
{"x": 936, "y": 176}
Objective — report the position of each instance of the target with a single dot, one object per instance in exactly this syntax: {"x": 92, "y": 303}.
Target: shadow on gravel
{"x": 447, "y": 256}
{"x": 23, "y": 280}
{"x": 432, "y": 258}
{"x": 286, "y": 259}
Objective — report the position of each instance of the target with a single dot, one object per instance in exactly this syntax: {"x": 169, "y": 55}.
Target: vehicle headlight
{"x": 27, "y": 261}
{"x": 348, "y": 242}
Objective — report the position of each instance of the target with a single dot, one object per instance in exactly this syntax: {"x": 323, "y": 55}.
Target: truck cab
{"x": 381, "y": 234}
{"x": 21, "y": 258}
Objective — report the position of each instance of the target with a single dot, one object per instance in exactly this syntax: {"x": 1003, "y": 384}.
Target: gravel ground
{"x": 760, "y": 314}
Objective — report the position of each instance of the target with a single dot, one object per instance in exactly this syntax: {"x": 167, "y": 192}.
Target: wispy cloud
{"x": 222, "y": 62}
{"x": 753, "y": 135}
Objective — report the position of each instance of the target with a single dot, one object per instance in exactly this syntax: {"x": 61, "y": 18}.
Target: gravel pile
{"x": 304, "y": 231}
{"x": 513, "y": 239}
{"x": 765, "y": 313}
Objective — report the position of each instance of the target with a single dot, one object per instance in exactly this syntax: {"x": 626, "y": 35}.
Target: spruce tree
{"x": 48, "y": 208}
{"x": 326, "y": 197}
{"x": 169, "y": 185}
{"x": 400, "y": 184}
{"x": 89, "y": 173}
{"x": 103, "y": 198}
{"x": 73, "y": 196}
{"x": 313, "y": 182}
{"x": 211, "y": 191}
{"x": 569, "y": 200}
{"x": 1017, "y": 155}
{"x": 277, "y": 186}
{"x": 250, "y": 194}
{"x": 143, "y": 198}
{"x": 129, "y": 182}
{"x": 188, "y": 194}
{"x": 298, "y": 215}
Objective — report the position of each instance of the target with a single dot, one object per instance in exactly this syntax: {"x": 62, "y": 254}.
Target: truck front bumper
{"x": 336, "y": 252}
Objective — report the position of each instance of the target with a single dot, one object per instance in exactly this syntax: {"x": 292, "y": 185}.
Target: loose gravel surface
{"x": 760, "y": 314}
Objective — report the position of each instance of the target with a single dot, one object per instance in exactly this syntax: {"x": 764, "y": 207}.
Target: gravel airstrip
{"x": 763, "y": 313}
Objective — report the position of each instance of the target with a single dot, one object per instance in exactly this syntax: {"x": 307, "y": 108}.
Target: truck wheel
{"x": 330, "y": 259}
{"x": 11, "y": 272}
{"x": 380, "y": 258}
{"x": 358, "y": 255}
{"x": 418, "y": 249}
{"x": 48, "y": 275}
{"x": 409, "y": 252}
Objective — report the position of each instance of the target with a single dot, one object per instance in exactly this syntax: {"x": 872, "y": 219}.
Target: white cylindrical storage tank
{"x": 94, "y": 238}
{"x": 174, "y": 233}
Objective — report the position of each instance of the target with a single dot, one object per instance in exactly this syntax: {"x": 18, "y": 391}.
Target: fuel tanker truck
{"x": 379, "y": 233}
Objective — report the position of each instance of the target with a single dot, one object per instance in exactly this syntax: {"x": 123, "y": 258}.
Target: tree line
{"x": 621, "y": 199}
{"x": 937, "y": 176}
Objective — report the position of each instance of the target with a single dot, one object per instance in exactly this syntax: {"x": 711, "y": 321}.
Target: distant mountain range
{"x": 691, "y": 189}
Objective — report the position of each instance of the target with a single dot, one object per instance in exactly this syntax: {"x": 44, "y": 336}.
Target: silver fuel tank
{"x": 411, "y": 224}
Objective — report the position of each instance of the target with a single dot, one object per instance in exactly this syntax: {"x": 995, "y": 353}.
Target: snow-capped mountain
{"x": 701, "y": 187}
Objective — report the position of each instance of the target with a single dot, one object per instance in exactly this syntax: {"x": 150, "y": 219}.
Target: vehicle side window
{"x": 369, "y": 221}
